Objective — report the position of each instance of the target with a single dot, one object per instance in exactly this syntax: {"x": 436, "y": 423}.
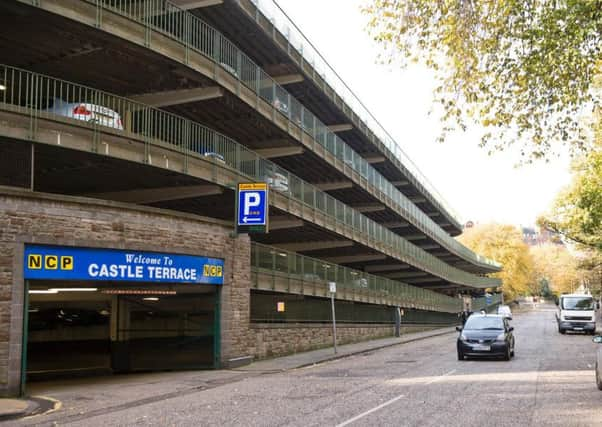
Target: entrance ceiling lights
{"x": 137, "y": 292}
{"x": 57, "y": 290}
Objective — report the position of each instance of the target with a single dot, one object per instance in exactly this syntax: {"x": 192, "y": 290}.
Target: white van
{"x": 576, "y": 312}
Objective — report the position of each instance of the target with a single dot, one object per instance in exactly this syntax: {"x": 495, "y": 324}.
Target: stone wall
{"x": 272, "y": 340}
{"x": 27, "y": 217}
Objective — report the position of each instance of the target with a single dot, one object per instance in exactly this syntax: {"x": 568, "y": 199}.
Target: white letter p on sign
{"x": 252, "y": 199}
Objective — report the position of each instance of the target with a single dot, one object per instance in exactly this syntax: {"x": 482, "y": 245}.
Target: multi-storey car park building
{"x": 125, "y": 126}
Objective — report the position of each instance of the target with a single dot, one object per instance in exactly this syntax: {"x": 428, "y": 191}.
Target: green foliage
{"x": 556, "y": 266}
{"x": 521, "y": 69}
{"x": 577, "y": 211}
{"x": 504, "y": 244}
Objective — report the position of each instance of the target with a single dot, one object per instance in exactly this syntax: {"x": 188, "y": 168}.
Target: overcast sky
{"x": 479, "y": 187}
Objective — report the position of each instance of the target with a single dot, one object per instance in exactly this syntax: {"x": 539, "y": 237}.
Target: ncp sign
{"x": 45, "y": 262}
{"x": 252, "y": 206}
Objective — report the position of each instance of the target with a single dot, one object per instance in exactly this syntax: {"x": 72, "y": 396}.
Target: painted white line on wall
{"x": 388, "y": 402}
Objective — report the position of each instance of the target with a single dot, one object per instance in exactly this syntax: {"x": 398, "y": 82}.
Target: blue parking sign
{"x": 252, "y": 204}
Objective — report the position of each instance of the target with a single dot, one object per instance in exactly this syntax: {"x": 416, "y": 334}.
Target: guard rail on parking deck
{"x": 193, "y": 33}
{"x": 36, "y": 96}
{"x": 310, "y": 276}
{"x": 308, "y": 54}
{"x": 481, "y": 303}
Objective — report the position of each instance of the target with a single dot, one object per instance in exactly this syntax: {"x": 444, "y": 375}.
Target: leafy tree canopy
{"x": 577, "y": 210}
{"x": 504, "y": 243}
{"x": 521, "y": 69}
{"x": 557, "y": 267}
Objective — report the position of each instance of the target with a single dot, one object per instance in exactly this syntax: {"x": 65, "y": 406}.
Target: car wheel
{"x": 598, "y": 379}
{"x": 507, "y": 356}
{"x": 562, "y": 331}
{"x": 460, "y": 355}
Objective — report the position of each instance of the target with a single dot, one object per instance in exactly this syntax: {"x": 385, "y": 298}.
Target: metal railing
{"x": 311, "y": 271}
{"x": 38, "y": 96}
{"x": 194, "y": 33}
{"x": 480, "y": 303}
{"x": 299, "y": 42}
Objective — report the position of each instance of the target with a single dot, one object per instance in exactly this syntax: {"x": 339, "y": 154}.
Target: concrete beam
{"x": 315, "y": 245}
{"x": 340, "y": 128}
{"x": 416, "y": 199}
{"x": 271, "y": 153}
{"x": 413, "y": 237}
{"x": 354, "y": 258}
{"x": 434, "y": 214}
{"x": 279, "y": 223}
{"x": 424, "y": 280}
{"x": 162, "y": 194}
{"x": 385, "y": 267}
{"x": 449, "y": 286}
{"x": 371, "y": 159}
{"x": 440, "y": 254}
{"x": 288, "y": 79}
{"x": 428, "y": 246}
{"x": 396, "y": 224}
{"x": 178, "y": 96}
{"x": 400, "y": 183}
{"x": 373, "y": 207}
{"x": 337, "y": 185}
{"x": 196, "y": 4}
{"x": 405, "y": 275}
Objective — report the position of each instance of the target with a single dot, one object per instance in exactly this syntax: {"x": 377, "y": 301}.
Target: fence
{"x": 42, "y": 97}
{"x": 193, "y": 33}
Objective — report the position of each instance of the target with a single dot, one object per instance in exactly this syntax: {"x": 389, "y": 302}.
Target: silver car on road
{"x": 598, "y": 339}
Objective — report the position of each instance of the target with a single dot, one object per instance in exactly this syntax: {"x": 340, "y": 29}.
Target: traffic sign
{"x": 252, "y": 207}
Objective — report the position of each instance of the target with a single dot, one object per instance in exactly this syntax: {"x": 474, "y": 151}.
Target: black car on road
{"x": 487, "y": 335}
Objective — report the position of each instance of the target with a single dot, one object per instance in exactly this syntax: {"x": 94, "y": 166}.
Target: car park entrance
{"x": 126, "y": 323}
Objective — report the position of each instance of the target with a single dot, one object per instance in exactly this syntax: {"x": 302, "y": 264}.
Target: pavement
{"x": 76, "y": 397}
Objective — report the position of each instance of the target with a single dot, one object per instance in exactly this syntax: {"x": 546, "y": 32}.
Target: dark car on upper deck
{"x": 486, "y": 335}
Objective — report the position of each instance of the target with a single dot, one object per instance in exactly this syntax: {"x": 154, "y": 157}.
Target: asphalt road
{"x": 549, "y": 382}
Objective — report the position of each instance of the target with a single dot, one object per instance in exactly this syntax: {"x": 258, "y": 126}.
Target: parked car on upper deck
{"x": 215, "y": 156}
{"x": 278, "y": 182}
{"x": 91, "y": 113}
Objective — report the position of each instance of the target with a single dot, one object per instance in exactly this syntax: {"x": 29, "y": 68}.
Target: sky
{"x": 479, "y": 187}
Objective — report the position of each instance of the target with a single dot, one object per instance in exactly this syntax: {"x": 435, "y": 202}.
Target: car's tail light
{"x": 81, "y": 110}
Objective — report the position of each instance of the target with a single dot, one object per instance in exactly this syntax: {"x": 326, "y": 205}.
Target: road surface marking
{"x": 363, "y": 414}
{"x": 388, "y": 402}
{"x": 440, "y": 377}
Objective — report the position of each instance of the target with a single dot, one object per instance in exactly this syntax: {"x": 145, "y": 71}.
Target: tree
{"x": 523, "y": 70}
{"x": 577, "y": 210}
{"x": 557, "y": 267}
{"x": 504, "y": 243}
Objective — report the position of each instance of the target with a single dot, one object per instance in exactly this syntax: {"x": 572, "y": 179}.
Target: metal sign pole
{"x": 333, "y": 289}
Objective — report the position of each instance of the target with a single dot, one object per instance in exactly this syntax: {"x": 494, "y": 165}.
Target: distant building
{"x": 535, "y": 237}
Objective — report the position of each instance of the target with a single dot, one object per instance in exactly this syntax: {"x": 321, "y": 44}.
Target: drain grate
{"x": 401, "y": 361}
